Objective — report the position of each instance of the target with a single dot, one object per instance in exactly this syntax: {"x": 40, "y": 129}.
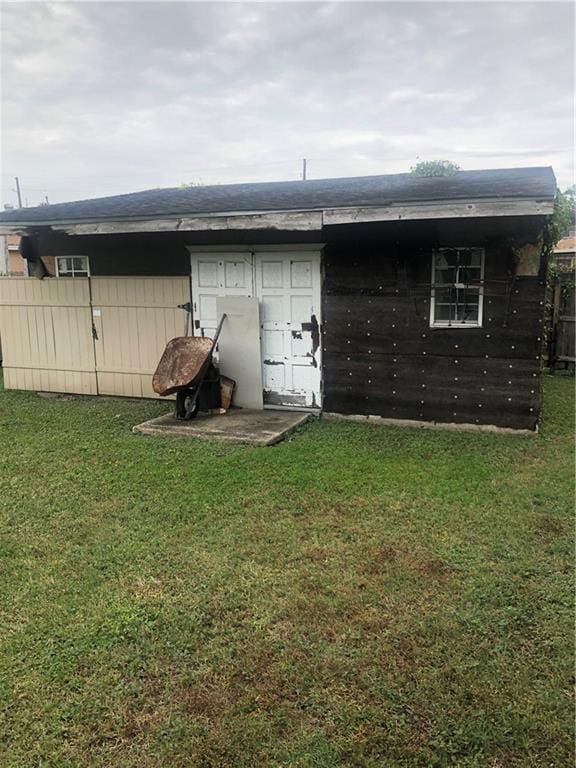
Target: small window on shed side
{"x": 72, "y": 266}
{"x": 457, "y": 287}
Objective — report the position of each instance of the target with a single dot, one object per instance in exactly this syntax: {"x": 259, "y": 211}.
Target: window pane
{"x": 476, "y": 257}
{"x": 445, "y": 295}
{"x": 466, "y": 305}
{"x": 445, "y": 276}
{"x": 467, "y": 296}
{"x": 443, "y": 312}
{"x": 468, "y": 275}
{"x": 456, "y": 305}
{"x": 446, "y": 258}
{"x": 466, "y": 313}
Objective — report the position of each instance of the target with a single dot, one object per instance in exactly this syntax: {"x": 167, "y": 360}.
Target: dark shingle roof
{"x": 515, "y": 183}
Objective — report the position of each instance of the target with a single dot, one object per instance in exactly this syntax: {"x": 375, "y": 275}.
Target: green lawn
{"x": 355, "y": 596}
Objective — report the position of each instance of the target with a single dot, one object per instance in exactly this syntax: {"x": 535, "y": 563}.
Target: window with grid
{"x": 72, "y": 266}
{"x": 457, "y": 276}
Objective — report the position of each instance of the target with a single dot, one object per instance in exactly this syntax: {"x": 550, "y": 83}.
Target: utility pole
{"x": 303, "y": 169}
{"x": 17, "y": 180}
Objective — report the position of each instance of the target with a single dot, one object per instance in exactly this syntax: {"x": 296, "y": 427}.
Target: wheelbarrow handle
{"x": 218, "y": 329}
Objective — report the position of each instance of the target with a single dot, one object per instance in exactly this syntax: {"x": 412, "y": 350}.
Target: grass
{"x": 355, "y": 596}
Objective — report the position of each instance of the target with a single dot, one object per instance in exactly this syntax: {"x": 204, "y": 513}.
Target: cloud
{"x": 99, "y": 98}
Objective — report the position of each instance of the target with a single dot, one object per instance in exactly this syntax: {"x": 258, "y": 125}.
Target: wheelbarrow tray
{"x": 182, "y": 364}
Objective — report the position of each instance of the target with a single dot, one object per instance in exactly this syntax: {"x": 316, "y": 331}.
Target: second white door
{"x": 288, "y": 287}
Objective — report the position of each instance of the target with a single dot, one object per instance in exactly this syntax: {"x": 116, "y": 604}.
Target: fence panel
{"x": 134, "y": 318}
{"x": 563, "y": 346}
{"x": 46, "y": 331}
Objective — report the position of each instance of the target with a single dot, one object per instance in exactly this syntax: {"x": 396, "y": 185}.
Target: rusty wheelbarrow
{"x": 185, "y": 366}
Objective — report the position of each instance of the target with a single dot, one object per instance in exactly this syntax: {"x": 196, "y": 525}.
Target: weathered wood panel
{"x": 295, "y": 221}
{"x": 382, "y": 358}
{"x": 563, "y": 336}
{"x": 434, "y": 388}
{"x": 436, "y": 210}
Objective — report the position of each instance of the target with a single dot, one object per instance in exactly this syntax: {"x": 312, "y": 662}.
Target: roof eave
{"x": 407, "y": 210}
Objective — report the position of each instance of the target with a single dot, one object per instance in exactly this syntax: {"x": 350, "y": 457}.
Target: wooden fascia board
{"x": 14, "y": 229}
{"x": 293, "y": 221}
{"x": 305, "y": 220}
{"x": 440, "y": 210}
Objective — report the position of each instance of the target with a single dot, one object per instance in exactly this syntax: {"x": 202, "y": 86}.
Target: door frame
{"x": 254, "y": 249}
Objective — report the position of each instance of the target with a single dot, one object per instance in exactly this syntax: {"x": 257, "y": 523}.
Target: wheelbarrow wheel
{"x": 185, "y": 410}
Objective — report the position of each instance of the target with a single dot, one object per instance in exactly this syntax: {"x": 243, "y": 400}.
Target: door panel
{"x": 218, "y": 274}
{"x": 288, "y": 286}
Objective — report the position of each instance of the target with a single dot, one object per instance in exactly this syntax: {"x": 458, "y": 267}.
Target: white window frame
{"x": 454, "y": 323}
{"x": 66, "y": 273}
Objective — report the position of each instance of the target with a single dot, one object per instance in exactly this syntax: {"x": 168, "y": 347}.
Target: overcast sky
{"x": 103, "y": 98}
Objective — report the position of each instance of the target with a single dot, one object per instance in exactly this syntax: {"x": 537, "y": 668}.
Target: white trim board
{"x": 255, "y": 248}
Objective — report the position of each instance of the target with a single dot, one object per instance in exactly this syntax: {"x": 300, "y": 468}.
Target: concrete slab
{"x": 238, "y": 425}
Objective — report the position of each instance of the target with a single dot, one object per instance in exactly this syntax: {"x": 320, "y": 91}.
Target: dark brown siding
{"x": 154, "y": 254}
{"x": 382, "y": 358}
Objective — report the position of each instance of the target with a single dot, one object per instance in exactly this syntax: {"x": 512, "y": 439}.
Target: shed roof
{"x": 317, "y": 194}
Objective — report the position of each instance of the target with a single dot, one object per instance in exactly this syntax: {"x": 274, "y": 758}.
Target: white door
{"x": 288, "y": 287}
{"x": 218, "y": 274}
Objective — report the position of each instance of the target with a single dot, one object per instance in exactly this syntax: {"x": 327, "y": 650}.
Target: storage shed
{"x": 398, "y": 297}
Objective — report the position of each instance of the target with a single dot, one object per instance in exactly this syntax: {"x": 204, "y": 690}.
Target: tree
{"x": 191, "y": 184}
{"x": 563, "y": 218}
{"x": 435, "y": 168}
